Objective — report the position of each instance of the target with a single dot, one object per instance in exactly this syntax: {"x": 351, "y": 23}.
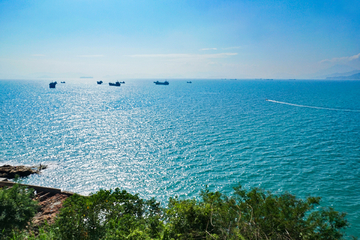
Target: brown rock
{"x": 8, "y": 171}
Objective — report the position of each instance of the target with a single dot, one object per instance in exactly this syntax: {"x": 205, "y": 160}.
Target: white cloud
{"x": 228, "y": 48}
{"x": 182, "y": 56}
{"x": 207, "y": 49}
{"x": 342, "y": 59}
{"x": 90, "y": 56}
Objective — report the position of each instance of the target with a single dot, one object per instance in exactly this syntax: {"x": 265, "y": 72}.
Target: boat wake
{"x": 305, "y": 106}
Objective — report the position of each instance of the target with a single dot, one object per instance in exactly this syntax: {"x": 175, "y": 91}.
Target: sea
{"x": 296, "y": 136}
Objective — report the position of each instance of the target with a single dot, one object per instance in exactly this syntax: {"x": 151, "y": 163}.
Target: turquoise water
{"x": 161, "y": 141}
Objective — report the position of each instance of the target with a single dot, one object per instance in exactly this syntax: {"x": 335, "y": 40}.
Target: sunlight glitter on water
{"x": 161, "y": 141}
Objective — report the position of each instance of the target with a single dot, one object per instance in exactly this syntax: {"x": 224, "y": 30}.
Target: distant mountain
{"x": 344, "y": 74}
{"x": 350, "y": 77}
{"x": 336, "y": 71}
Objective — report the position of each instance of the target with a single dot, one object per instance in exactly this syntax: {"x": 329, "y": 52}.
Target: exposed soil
{"x": 50, "y": 205}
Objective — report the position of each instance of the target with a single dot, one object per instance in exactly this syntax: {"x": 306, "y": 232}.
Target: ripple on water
{"x": 174, "y": 140}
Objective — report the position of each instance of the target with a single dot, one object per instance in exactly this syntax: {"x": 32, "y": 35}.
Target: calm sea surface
{"x": 162, "y": 141}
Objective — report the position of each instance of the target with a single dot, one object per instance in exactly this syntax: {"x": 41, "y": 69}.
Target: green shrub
{"x": 108, "y": 215}
{"x": 245, "y": 214}
{"x": 253, "y": 214}
{"x": 17, "y": 208}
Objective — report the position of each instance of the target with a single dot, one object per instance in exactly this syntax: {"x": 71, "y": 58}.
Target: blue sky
{"x": 178, "y": 39}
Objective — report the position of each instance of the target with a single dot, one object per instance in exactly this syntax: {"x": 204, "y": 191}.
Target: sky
{"x": 171, "y": 39}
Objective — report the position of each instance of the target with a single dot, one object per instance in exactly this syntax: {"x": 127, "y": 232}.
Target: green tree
{"x": 17, "y": 208}
{"x": 253, "y": 214}
{"x": 244, "y": 214}
{"x": 109, "y": 215}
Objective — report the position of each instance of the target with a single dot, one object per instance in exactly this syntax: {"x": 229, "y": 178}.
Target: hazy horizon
{"x": 178, "y": 39}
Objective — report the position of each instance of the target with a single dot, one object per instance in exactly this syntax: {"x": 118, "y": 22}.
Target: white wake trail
{"x": 305, "y": 106}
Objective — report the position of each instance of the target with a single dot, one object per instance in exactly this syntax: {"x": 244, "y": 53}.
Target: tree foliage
{"x": 17, "y": 208}
{"x": 253, "y": 214}
{"x": 109, "y": 215}
{"x": 245, "y": 214}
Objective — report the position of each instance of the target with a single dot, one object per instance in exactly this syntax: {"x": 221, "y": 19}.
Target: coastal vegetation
{"x": 17, "y": 208}
{"x": 117, "y": 214}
